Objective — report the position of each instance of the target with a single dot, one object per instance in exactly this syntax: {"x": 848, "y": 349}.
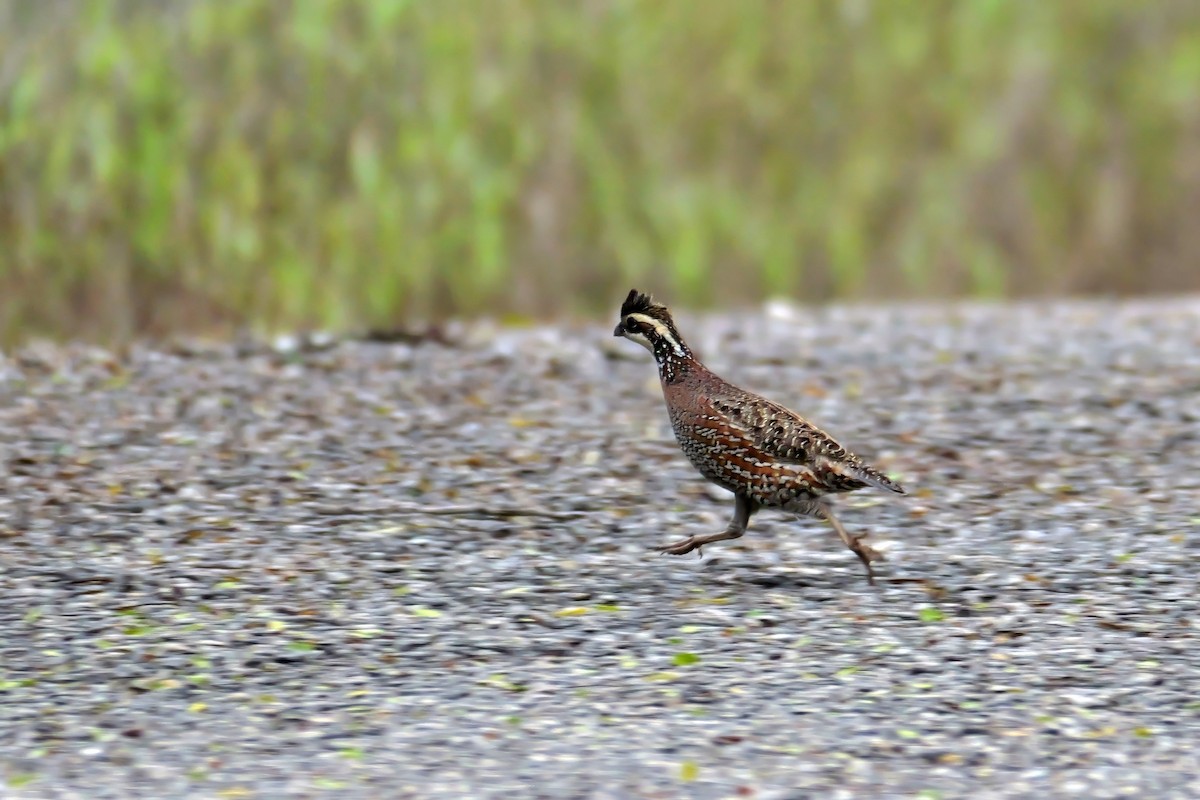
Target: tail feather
{"x": 877, "y": 479}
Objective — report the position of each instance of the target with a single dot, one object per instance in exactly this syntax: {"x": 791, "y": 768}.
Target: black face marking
{"x": 649, "y": 324}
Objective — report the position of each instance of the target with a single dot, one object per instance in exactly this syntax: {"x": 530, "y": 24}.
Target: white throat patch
{"x": 640, "y": 339}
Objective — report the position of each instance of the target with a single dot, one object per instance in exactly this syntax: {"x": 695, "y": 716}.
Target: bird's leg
{"x": 743, "y": 509}
{"x": 866, "y": 554}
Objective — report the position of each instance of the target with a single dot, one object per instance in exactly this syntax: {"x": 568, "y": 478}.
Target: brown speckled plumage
{"x": 767, "y": 455}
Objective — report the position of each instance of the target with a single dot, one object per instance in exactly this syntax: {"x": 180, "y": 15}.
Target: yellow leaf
{"x": 689, "y": 771}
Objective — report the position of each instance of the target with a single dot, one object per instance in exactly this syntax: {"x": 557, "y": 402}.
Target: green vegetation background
{"x": 362, "y": 162}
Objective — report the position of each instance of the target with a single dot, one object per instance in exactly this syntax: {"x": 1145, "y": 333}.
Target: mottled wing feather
{"x": 784, "y": 435}
{"x": 776, "y": 430}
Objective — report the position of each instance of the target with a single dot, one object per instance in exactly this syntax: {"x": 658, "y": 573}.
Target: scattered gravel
{"x": 351, "y": 569}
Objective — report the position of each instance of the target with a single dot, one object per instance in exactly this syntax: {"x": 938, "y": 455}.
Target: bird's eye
{"x": 630, "y": 322}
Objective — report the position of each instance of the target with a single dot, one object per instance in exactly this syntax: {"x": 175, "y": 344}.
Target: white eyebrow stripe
{"x": 662, "y": 330}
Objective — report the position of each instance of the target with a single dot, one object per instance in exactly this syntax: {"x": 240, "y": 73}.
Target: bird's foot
{"x": 866, "y": 554}
{"x": 682, "y": 547}
{"x": 864, "y": 550}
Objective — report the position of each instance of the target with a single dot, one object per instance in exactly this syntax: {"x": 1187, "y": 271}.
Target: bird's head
{"x": 649, "y": 324}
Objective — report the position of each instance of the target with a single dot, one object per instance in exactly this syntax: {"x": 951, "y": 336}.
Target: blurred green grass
{"x": 341, "y": 163}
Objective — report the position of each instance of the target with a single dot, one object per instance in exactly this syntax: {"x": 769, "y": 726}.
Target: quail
{"x": 767, "y": 455}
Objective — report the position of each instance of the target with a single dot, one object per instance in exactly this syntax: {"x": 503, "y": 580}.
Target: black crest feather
{"x": 640, "y": 303}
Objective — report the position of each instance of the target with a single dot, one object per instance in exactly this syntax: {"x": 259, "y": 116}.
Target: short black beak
{"x": 618, "y": 331}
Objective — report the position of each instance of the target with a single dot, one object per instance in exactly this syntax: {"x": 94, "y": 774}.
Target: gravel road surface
{"x": 422, "y": 569}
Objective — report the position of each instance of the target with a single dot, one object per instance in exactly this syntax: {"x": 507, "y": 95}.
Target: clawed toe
{"x": 858, "y": 543}
{"x": 866, "y": 555}
{"x": 866, "y": 552}
{"x": 680, "y": 548}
